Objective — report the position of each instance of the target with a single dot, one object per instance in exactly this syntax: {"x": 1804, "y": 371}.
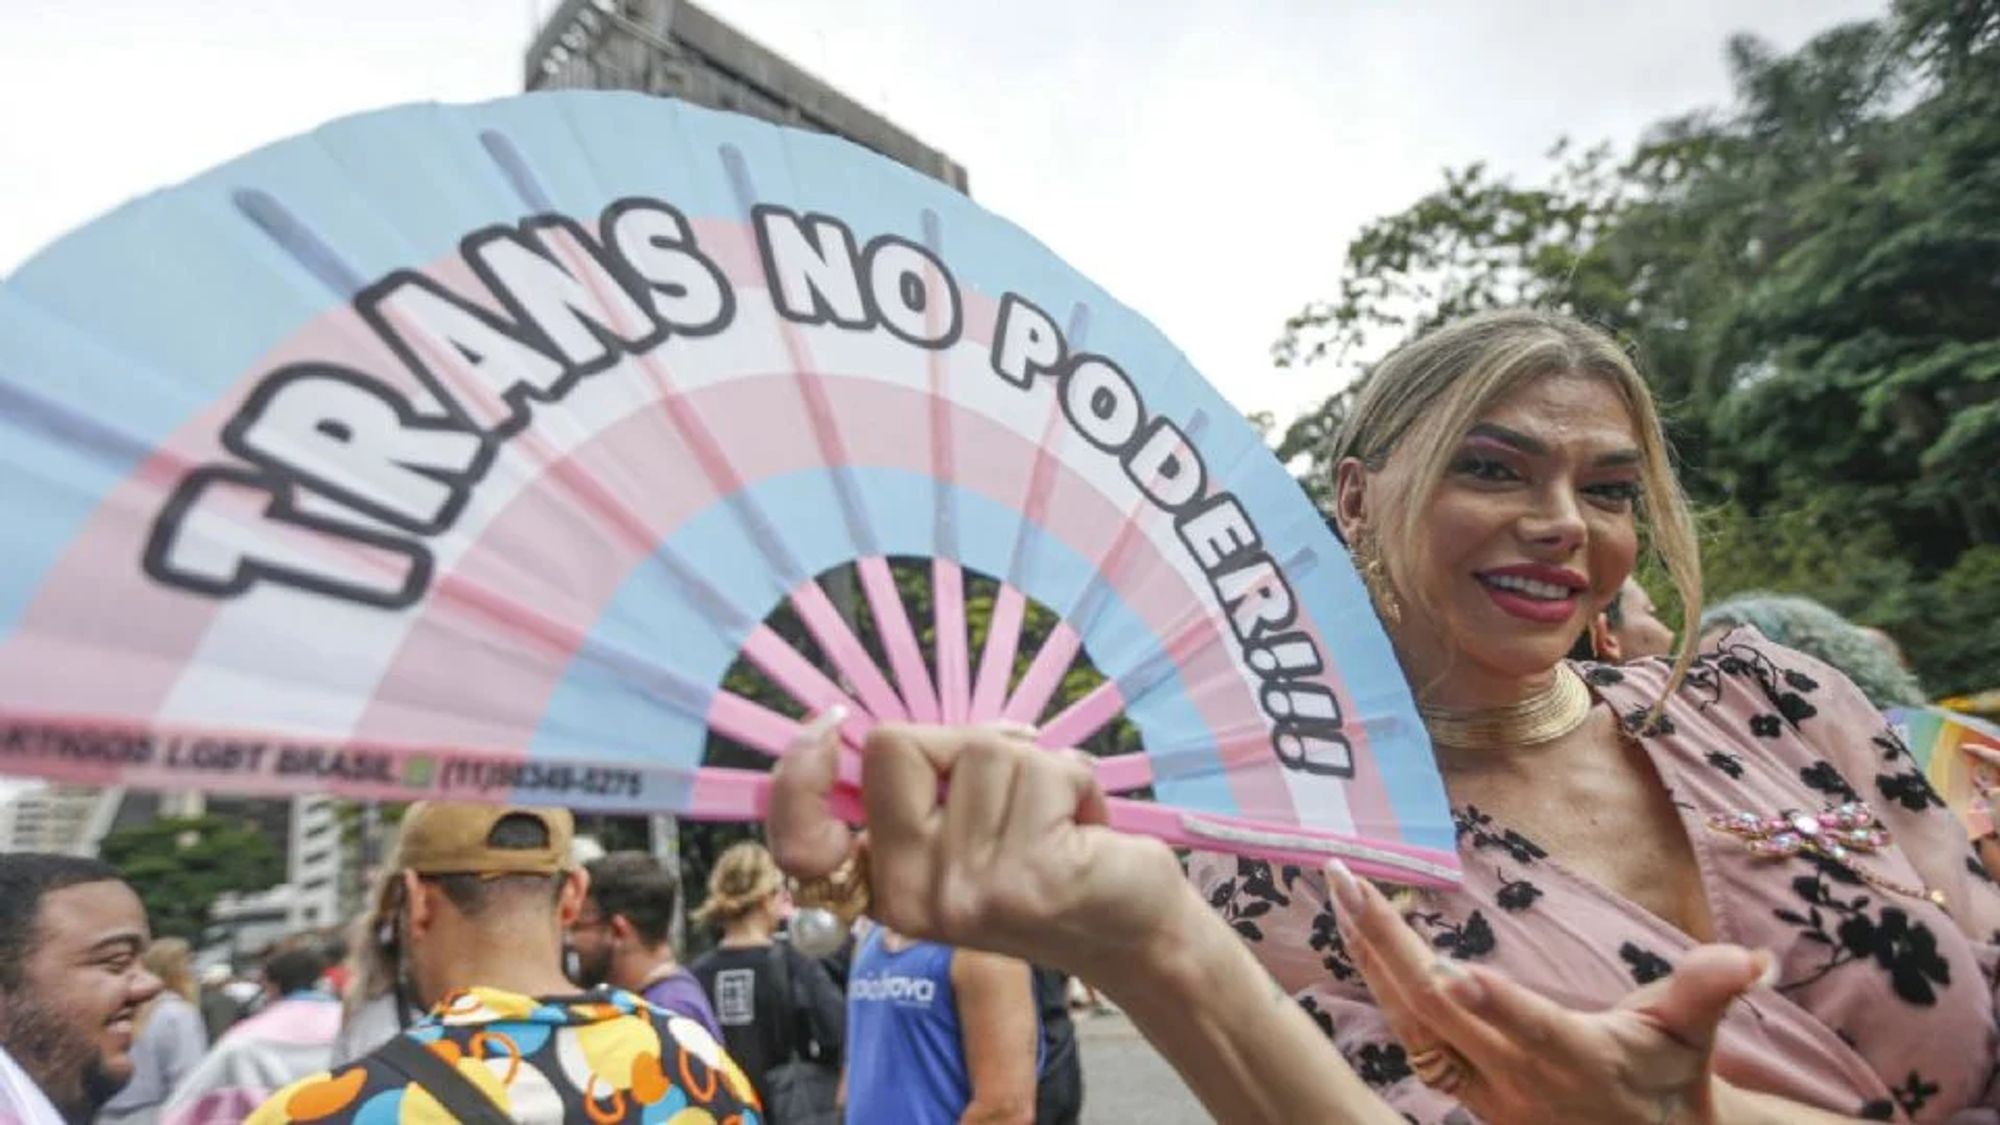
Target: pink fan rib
{"x": 747, "y": 794}
{"x": 1083, "y": 718}
{"x": 996, "y": 663}
{"x": 844, "y": 649}
{"x": 1045, "y": 674}
{"x": 770, "y": 652}
{"x": 828, "y": 627}
{"x": 948, "y": 606}
{"x": 899, "y": 639}
{"x": 1122, "y": 773}
{"x": 805, "y": 683}
{"x": 1087, "y": 716}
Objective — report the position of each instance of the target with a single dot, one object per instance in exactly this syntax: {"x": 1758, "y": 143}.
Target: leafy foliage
{"x": 1811, "y": 281}
{"x": 181, "y": 865}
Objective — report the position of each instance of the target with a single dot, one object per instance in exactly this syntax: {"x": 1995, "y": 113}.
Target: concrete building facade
{"x": 676, "y": 49}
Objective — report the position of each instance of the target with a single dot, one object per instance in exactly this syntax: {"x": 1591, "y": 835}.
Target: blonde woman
{"x": 1496, "y": 482}
{"x": 774, "y": 1004}
{"x": 169, "y": 1039}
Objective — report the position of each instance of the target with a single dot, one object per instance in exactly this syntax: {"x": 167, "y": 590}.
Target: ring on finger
{"x": 845, "y": 891}
{"x": 1440, "y": 1068}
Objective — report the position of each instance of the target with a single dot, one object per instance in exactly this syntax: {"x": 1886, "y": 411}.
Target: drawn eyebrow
{"x": 1493, "y": 431}
{"x": 1536, "y": 447}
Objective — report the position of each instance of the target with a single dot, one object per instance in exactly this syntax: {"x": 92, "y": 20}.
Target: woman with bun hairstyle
{"x": 765, "y": 1024}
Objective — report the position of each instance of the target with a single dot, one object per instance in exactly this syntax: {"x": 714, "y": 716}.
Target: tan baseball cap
{"x": 447, "y": 838}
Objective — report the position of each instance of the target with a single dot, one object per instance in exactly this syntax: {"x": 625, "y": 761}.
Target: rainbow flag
{"x": 1960, "y": 755}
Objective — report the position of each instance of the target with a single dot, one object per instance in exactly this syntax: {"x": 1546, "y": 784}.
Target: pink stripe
{"x": 748, "y": 795}
{"x": 899, "y": 639}
{"x": 156, "y": 629}
{"x": 1045, "y": 673}
{"x": 996, "y": 664}
{"x": 751, "y": 723}
{"x": 803, "y": 680}
{"x": 774, "y": 442}
{"x": 1085, "y": 717}
{"x": 1122, "y": 773}
{"x": 948, "y": 609}
{"x": 841, "y": 646}
{"x": 1169, "y": 825}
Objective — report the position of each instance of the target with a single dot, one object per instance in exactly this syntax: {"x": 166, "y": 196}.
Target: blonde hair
{"x": 1425, "y": 397}
{"x": 170, "y": 959}
{"x": 370, "y": 971}
{"x": 745, "y": 877}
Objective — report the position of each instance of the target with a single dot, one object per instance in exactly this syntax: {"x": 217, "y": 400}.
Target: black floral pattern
{"x": 1914, "y": 1093}
{"x": 1641, "y": 721}
{"x": 1253, "y": 893}
{"x": 1977, "y": 869}
{"x": 1645, "y": 965}
{"x": 1515, "y": 895}
{"x": 1727, "y": 763}
{"x": 1825, "y": 778}
{"x": 1602, "y": 675}
{"x": 1325, "y": 940}
{"x": 1786, "y": 688}
{"x": 1479, "y": 828}
{"x": 1469, "y": 940}
{"x": 1318, "y": 1014}
{"x": 1910, "y": 789}
{"x": 1903, "y": 949}
{"x": 1381, "y": 1064}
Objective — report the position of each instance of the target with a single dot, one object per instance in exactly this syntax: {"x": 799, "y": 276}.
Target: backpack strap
{"x": 454, "y": 1091}
{"x": 781, "y": 978}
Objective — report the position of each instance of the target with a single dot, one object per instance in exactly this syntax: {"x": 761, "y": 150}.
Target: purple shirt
{"x": 680, "y": 993}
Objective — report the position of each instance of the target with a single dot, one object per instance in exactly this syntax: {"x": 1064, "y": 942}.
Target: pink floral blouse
{"x": 1884, "y": 1004}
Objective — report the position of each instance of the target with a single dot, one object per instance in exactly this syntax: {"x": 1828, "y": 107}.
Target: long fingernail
{"x": 1346, "y": 888}
{"x": 1769, "y": 976}
{"x": 827, "y": 720}
{"x": 1463, "y": 988}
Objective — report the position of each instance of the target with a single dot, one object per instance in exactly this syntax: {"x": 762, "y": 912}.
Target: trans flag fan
{"x": 464, "y": 452}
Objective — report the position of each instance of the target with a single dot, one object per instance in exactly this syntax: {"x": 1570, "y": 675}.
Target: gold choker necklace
{"x": 1543, "y": 717}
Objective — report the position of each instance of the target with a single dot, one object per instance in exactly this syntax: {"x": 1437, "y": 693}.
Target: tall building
{"x": 74, "y": 819}
{"x": 676, "y": 49}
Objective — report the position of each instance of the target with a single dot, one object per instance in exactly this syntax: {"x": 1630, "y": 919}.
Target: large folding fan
{"x": 463, "y": 452}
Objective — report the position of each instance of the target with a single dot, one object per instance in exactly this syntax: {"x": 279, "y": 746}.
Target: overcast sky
{"x": 1203, "y": 160}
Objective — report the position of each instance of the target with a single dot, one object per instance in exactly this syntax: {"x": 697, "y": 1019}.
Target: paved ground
{"x": 1125, "y": 1080}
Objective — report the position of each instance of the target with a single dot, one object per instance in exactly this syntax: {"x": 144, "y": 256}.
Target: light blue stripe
{"x": 595, "y": 714}
{"x": 143, "y": 318}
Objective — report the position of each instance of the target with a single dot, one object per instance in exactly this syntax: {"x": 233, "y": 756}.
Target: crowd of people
{"x": 540, "y": 989}
{"x": 1703, "y": 879}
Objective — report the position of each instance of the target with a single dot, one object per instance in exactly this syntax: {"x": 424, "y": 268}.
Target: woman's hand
{"x": 1527, "y": 1059}
{"x": 977, "y": 837}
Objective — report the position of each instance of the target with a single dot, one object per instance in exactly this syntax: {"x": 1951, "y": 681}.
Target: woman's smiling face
{"x": 1529, "y": 534}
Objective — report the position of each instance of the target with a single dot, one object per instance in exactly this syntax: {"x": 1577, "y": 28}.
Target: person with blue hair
{"x": 1810, "y": 627}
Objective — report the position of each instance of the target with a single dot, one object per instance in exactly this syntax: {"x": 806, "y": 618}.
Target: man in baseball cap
{"x": 480, "y": 902}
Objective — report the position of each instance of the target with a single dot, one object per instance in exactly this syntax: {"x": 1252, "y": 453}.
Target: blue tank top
{"x": 905, "y": 1057}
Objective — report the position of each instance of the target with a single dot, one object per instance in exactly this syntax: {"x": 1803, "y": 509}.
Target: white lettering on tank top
{"x": 894, "y": 989}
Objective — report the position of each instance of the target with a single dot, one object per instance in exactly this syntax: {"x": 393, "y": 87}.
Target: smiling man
{"x": 71, "y": 983}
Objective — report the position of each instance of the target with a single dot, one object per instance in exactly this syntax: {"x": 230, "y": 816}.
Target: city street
{"x": 1125, "y": 1080}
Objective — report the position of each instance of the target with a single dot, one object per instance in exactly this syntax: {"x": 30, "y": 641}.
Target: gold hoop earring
{"x": 1375, "y": 577}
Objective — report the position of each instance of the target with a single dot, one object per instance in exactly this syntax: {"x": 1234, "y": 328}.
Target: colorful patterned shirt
{"x": 604, "y": 1056}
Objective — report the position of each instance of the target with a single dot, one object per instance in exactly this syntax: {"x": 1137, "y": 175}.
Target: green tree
{"x": 1810, "y": 280}
{"x": 181, "y": 865}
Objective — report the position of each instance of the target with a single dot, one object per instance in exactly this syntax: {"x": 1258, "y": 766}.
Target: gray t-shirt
{"x": 169, "y": 1045}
